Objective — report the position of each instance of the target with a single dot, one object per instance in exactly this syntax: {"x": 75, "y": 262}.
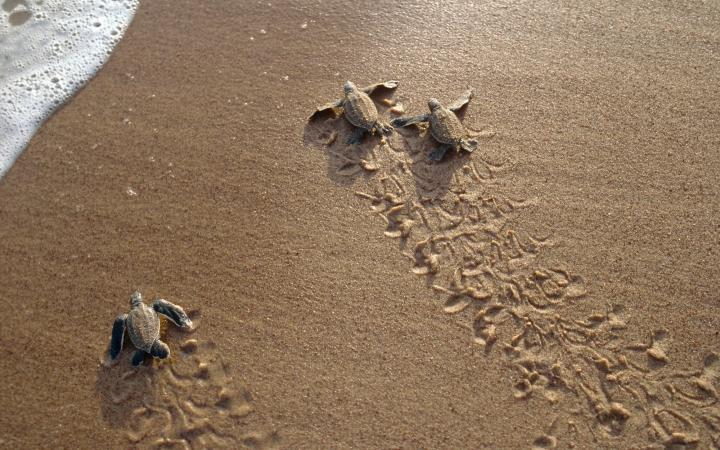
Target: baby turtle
{"x": 143, "y": 326}
{"x": 445, "y": 126}
{"x": 360, "y": 110}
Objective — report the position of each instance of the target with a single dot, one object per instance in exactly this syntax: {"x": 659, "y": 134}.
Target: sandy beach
{"x": 556, "y": 288}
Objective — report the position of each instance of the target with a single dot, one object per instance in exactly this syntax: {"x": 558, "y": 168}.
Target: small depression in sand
{"x": 460, "y": 231}
{"x": 192, "y": 400}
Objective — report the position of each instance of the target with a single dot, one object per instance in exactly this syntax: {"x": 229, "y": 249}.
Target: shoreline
{"x": 51, "y": 51}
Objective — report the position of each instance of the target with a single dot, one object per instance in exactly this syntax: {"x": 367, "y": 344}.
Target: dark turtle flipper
{"x": 172, "y": 312}
{"x": 138, "y": 358}
{"x": 326, "y": 107}
{"x": 462, "y": 101}
{"x": 118, "y": 333}
{"x": 160, "y": 350}
{"x": 469, "y": 145}
{"x": 439, "y": 153}
{"x": 409, "y": 120}
{"x": 357, "y": 136}
{"x": 392, "y": 84}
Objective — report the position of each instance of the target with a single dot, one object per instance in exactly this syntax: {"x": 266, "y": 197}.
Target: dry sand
{"x": 582, "y": 235}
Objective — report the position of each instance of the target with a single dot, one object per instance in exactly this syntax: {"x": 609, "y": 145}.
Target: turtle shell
{"x": 143, "y": 326}
{"x": 445, "y": 127}
{"x": 360, "y": 110}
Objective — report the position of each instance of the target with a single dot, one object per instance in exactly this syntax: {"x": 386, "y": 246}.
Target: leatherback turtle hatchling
{"x": 143, "y": 326}
{"x": 360, "y": 110}
{"x": 445, "y": 126}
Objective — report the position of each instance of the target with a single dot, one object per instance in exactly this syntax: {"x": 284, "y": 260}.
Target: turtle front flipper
{"x": 409, "y": 120}
{"x": 326, "y": 107}
{"x": 138, "y": 358}
{"x": 392, "y": 84}
{"x": 469, "y": 145}
{"x": 118, "y": 333}
{"x": 173, "y": 312}
{"x": 462, "y": 101}
{"x": 439, "y": 153}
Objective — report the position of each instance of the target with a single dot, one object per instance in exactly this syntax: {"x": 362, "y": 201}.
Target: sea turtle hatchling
{"x": 143, "y": 326}
{"x": 445, "y": 126}
{"x": 360, "y": 110}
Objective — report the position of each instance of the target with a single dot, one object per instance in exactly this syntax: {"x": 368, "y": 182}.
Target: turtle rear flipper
{"x": 409, "y": 120}
{"x": 118, "y": 334}
{"x": 392, "y": 84}
{"x": 138, "y": 358}
{"x": 326, "y": 108}
{"x": 160, "y": 350}
{"x": 173, "y": 312}
{"x": 462, "y": 101}
{"x": 357, "y": 136}
{"x": 439, "y": 152}
{"x": 469, "y": 145}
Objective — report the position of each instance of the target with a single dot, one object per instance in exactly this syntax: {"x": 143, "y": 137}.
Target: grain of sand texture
{"x": 557, "y": 288}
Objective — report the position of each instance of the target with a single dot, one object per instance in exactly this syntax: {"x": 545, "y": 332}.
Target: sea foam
{"x": 48, "y": 50}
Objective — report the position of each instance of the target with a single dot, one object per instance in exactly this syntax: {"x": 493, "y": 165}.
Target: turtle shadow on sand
{"x": 329, "y": 131}
{"x": 122, "y": 389}
{"x": 432, "y": 179}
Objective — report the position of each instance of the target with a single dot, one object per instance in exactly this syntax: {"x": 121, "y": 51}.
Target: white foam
{"x": 48, "y": 50}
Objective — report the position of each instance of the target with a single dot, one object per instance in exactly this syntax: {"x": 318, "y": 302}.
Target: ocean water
{"x": 48, "y": 50}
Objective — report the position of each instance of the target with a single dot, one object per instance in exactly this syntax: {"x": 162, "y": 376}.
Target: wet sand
{"x": 582, "y": 234}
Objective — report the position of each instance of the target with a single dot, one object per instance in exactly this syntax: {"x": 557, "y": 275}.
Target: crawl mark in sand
{"x": 192, "y": 400}
{"x": 460, "y": 232}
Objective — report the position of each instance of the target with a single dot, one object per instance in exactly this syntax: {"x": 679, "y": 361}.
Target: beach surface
{"x": 556, "y": 288}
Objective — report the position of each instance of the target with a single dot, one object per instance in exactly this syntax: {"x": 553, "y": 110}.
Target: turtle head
{"x": 136, "y": 299}
{"x": 433, "y": 104}
{"x": 349, "y": 87}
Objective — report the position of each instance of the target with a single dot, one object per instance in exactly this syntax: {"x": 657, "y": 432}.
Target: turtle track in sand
{"x": 190, "y": 401}
{"x": 459, "y": 231}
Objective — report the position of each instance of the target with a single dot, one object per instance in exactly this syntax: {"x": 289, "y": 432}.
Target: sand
{"x": 555, "y": 288}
